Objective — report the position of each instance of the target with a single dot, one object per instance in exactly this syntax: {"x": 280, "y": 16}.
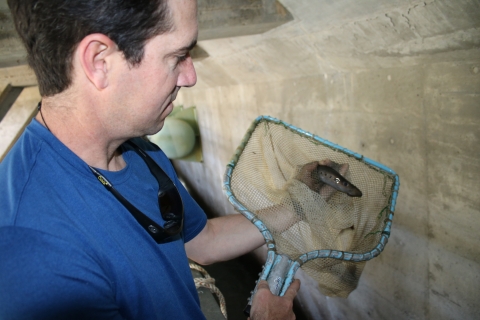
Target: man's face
{"x": 144, "y": 94}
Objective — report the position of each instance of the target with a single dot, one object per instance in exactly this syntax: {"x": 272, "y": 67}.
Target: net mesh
{"x": 267, "y": 180}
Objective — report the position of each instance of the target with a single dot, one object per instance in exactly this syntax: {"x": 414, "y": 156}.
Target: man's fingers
{"x": 310, "y": 166}
{"x": 292, "y": 290}
{"x": 314, "y": 182}
{"x": 290, "y": 293}
{"x": 265, "y": 305}
{"x": 263, "y": 285}
{"x": 343, "y": 169}
{"x": 325, "y": 162}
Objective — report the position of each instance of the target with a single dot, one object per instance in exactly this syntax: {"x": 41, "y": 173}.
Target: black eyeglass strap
{"x": 164, "y": 182}
{"x": 148, "y": 224}
{"x": 170, "y": 202}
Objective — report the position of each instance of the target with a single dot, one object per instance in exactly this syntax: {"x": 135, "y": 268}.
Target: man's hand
{"x": 279, "y": 218}
{"x": 267, "y": 306}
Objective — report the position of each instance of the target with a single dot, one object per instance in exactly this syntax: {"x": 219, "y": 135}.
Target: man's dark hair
{"x": 52, "y": 29}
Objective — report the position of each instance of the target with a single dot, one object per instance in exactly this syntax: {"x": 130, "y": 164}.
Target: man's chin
{"x": 169, "y": 109}
{"x": 157, "y": 128}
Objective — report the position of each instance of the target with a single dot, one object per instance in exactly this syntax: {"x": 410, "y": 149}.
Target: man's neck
{"x": 83, "y": 135}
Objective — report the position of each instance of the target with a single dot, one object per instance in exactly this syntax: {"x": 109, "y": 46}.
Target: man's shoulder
{"x": 15, "y": 171}
{"x": 23, "y": 152}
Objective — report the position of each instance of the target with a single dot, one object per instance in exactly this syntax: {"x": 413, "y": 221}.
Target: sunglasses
{"x": 169, "y": 201}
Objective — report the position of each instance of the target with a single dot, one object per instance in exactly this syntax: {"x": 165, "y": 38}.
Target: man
{"x": 108, "y": 72}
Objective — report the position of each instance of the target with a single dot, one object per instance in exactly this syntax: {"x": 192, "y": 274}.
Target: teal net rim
{"x": 324, "y": 253}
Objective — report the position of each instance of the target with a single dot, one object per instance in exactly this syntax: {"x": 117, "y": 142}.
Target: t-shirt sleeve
{"x": 44, "y": 277}
{"x": 195, "y": 218}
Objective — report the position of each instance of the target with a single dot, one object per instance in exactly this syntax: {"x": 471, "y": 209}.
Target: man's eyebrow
{"x": 186, "y": 48}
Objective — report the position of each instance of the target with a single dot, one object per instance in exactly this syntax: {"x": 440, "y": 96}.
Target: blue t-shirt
{"x": 70, "y": 250}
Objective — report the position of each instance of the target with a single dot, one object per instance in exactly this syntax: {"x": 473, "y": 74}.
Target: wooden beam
{"x": 7, "y": 98}
{"x": 17, "y": 118}
{"x": 18, "y": 76}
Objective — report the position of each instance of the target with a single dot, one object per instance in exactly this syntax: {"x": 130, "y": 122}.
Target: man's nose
{"x": 188, "y": 75}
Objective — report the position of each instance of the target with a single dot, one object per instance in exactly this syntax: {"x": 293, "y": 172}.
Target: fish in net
{"x": 318, "y": 205}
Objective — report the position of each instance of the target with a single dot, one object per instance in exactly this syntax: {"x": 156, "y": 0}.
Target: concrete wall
{"x": 397, "y": 81}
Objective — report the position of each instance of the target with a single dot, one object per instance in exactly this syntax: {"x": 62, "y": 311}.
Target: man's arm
{"x": 224, "y": 238}
{"x": 233, "y": 235}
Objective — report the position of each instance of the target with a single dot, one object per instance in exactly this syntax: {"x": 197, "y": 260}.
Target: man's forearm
{"x": 224, "y": 238}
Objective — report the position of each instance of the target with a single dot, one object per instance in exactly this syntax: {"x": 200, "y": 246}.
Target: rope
{"x": 209, "y": 283}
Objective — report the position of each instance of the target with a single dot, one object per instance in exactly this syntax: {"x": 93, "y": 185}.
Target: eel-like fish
{"x": 331, "y": 177}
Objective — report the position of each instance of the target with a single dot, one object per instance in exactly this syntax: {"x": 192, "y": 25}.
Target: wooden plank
{"x": 18, "y": 76}
{"x": 7, "y": 98}
{"x": 4, "y": 89}
{"x": 17, "y": 118}
{"x": 4, "y": 93}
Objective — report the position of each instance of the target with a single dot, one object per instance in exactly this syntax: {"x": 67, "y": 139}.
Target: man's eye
{"x": 183, "y": 57}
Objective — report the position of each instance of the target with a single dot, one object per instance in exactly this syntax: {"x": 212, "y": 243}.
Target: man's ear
{"x": 95, "y": 52}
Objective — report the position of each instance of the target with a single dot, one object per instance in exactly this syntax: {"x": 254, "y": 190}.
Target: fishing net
{"x": 269, "y": 180}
